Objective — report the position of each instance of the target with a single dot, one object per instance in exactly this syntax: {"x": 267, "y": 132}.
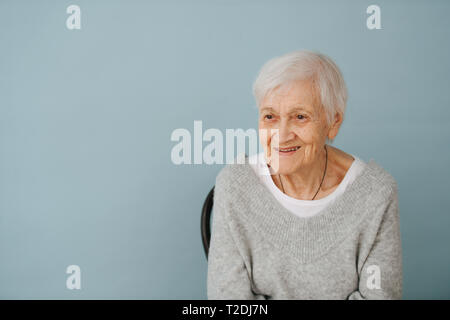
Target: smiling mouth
{"x": 287, "y": 150}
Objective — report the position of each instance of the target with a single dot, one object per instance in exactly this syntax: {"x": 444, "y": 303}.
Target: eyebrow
{"x": 296, "y": 108}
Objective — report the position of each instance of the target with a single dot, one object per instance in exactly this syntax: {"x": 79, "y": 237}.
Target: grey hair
{"x": 305, "y": 65}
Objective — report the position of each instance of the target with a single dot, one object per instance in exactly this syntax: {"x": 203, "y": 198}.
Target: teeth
{"x": 291, "y": 149}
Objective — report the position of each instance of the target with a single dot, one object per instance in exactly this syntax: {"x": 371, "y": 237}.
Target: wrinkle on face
{"x": 286, "y": 103}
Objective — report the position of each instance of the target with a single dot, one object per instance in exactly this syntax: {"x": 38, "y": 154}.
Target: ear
{"x": 334, "y": 129}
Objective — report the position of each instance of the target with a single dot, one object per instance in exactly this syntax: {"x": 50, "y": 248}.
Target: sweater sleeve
{"x": 228, "y": 276}
{"x": 381, "y": 274}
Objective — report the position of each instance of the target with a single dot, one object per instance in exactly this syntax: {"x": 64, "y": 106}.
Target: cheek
{"x": 309, "y": 152}
{"x": 303, "y": 134}
{"x": 309, "y": 134}
{"x": 310, "y": 139}
{"x": 264, "y": 135}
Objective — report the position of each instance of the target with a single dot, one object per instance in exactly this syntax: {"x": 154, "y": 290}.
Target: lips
{"x": 287, "y": 149}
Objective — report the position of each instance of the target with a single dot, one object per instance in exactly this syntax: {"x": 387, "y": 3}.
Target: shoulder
{"x": 235, "y": 171}
{"x": 233, "y": 176}
{"x": 383, "y": 203}
{"x": 382, "y": 180}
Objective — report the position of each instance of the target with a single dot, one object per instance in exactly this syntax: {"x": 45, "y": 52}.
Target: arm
{"x": 227, "y": 274}
{"x": 381, "y": 274}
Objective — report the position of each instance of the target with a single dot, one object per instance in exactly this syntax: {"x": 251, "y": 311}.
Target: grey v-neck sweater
{"x": 260, "y": 250}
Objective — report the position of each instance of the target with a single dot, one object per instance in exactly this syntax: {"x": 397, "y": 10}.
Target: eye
{"x": 268, "y": 116}
{"x": 302, "y": 117}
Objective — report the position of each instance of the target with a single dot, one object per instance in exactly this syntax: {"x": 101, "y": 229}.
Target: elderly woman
{"x": 303, "y": 219}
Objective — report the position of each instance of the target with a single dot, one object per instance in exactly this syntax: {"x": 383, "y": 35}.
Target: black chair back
{"x": 205, "y": 221}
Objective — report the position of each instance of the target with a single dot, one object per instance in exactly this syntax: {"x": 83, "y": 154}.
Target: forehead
{"x": 298, "y": 94}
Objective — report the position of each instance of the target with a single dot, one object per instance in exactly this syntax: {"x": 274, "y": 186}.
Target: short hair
{"x": 326, "y": 77}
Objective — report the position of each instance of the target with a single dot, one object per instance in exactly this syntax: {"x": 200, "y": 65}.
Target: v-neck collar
{"x": 306, "y": 238}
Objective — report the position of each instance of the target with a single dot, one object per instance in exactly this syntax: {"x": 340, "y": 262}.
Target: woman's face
{"x": 301, "y": 123}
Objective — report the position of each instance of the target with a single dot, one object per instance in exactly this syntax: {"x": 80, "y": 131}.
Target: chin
{"x": 286, "y": 166}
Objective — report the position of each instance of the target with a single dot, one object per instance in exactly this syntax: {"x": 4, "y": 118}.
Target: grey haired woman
{"x": 304, "y": 219}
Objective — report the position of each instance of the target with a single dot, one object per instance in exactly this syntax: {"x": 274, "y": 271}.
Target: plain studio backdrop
{"x": 86, "y": 116}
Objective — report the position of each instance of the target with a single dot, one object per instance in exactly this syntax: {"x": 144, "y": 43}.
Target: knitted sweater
{"x": 260, "y": 250}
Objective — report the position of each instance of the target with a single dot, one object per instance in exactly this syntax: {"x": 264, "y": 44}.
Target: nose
{"x": 284, "y": 131}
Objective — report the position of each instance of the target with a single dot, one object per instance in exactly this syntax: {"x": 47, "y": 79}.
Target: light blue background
{"x": 86, "y": 118}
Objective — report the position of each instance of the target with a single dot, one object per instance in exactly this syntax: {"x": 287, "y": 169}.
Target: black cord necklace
{"x": 326, "y": 164}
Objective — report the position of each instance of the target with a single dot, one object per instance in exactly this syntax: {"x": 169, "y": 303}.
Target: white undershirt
{"x": 303, "y": 208}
